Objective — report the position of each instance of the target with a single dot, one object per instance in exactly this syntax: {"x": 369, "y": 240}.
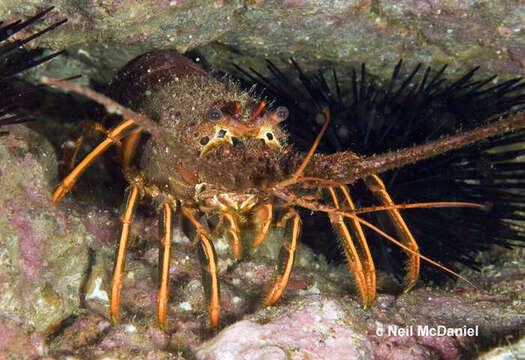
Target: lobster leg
{"x": 377, "y": 187}
{"x": 364, "y": 275}
{"x": 292, "y": 225}
{"x": 166, "y": 228}
{"x": 366, "y": 256}
{"x": 128, "y": 146}
{"x": 71, "y": 147}
{"x": 208, "y": 260}
{"x": 116, "y": 284}
{"x": 263, "y": 220}
{"x": 232, "y": 229}
{"x": 112, "y": 137}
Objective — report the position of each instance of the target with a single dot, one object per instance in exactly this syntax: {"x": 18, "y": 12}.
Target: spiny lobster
{"x": 214, "y": 149}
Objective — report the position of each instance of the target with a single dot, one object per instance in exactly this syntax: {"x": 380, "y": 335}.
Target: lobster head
{"x": 230, "y": 121}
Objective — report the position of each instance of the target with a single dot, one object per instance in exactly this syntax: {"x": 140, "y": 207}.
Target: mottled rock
{"x": 513, "y": 351}
{"x": 462, "y": 34}
{"x": 312, "y": 328}
{"x": 328, "y": 327}
{"x": 85, "y": 331}
{"x": 17, "y": 343}
{"x": 43, "y": 251}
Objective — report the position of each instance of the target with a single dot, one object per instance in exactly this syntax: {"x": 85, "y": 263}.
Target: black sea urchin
{"x": 13, "y": 60}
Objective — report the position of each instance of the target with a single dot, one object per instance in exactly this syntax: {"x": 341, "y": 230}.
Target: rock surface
{"x": 43, "y": 250}
{"x": 514, "y": 351}
{"x": 462, "y": 34}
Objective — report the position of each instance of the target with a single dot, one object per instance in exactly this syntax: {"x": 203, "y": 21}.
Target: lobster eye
{"x": 214, "y": 114}
{"x": 282, "y": 112}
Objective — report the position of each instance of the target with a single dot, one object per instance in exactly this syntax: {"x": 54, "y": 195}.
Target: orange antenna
{"x": 423, "y": 205}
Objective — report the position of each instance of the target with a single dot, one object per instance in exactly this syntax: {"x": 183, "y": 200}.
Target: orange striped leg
{"x": 207, "y": 257}
{"x": 112, "y": 137}
{"x": 71, "y": 147}
{"x": 263, "y": 220}
{"x": 377, "y": 187}
{"x": 366, "y": 256}
{"x": 116, "y": 284}
{"x": 166, "y": 228}
{"x": 232, "y": 229}
{"x": 354, "y": 253}
{"x": 292, "y": 226}
{"x": 129, "y": 144}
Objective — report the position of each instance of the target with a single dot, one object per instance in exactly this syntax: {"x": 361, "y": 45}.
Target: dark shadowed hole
{"x": 204, "y": 140}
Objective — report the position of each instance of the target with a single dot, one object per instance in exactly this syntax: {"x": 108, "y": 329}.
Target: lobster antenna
{"x": 380, "y": 163}
{"x": 111, "y": 106}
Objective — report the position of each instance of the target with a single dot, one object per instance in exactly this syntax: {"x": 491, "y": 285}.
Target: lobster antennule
{"x": 257, "y": 111}
{"x": 404, "y": 247}
{"x": 309, "y": 156}
{"x": 292, "y": 199}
